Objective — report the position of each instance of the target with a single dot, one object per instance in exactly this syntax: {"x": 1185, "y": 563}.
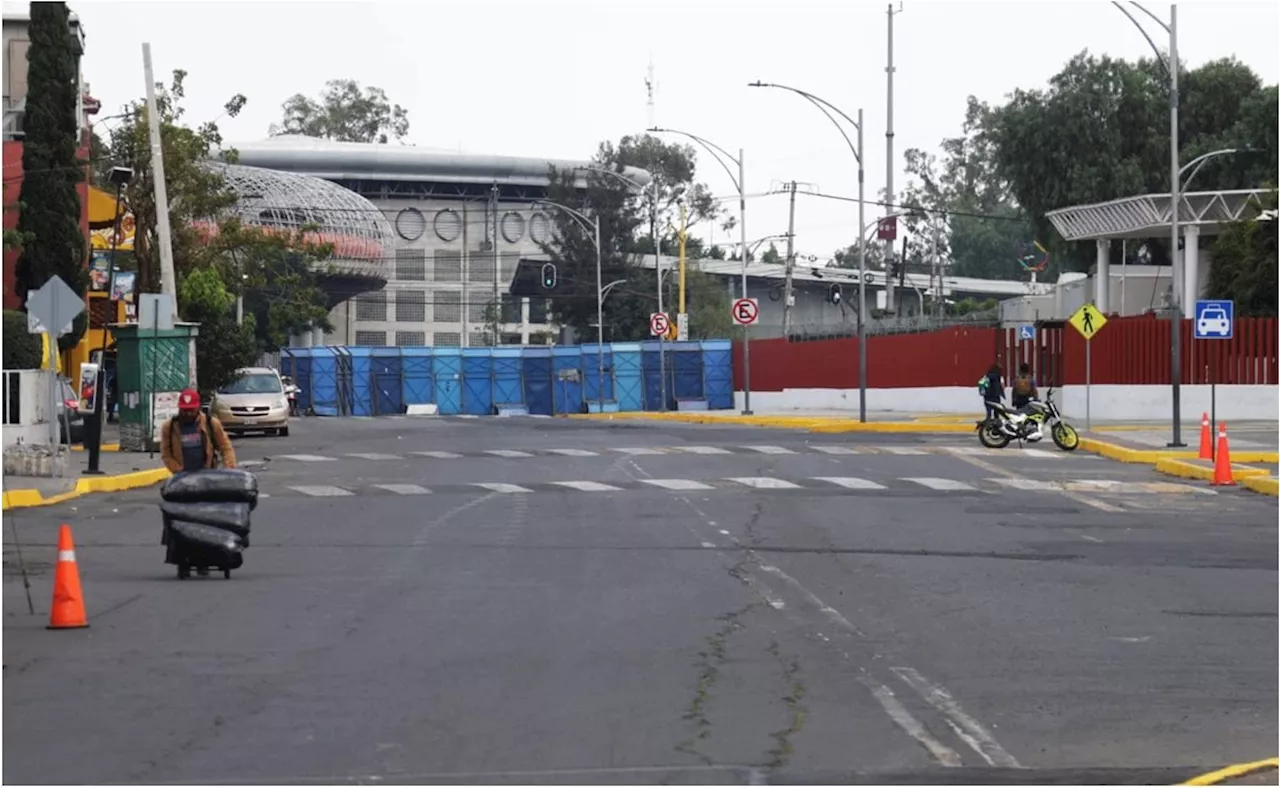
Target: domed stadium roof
{"x": 361, "y": 236}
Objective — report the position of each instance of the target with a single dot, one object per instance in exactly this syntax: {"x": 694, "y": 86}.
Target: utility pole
{"x": 168, "y": 280}
{"x": 788, "y": 299}
{"x": 890, "y": 302}
{"x": 682, "y": 317}
{"x": 497, "y": 305}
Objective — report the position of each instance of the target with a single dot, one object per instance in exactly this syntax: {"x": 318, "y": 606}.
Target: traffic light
{"x": 833, "y": 294}
{"x": 549, "y": 276}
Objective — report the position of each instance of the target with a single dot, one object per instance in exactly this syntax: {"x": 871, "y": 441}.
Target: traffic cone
{"x": 1206, "y": 438}
{"x": 68, "y": 601}
{"x": 1222, "y": 462}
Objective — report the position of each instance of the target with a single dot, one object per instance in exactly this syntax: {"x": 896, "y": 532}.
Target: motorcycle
{"x": 1006, "y": 425}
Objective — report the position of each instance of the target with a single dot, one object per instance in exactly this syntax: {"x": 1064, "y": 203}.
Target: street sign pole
{"x": 1088, "y": 384}
{"x": 1088, "y": 321}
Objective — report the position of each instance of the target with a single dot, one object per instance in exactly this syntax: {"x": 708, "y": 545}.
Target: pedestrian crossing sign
{"x": 1088, "y": 321}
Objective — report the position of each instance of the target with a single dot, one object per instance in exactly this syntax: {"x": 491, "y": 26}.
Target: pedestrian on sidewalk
{"x": 192, "y": 441}
{"x": 991, "y": 386}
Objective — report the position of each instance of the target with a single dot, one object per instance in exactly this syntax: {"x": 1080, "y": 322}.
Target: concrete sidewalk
{"x": 120, "y": 471}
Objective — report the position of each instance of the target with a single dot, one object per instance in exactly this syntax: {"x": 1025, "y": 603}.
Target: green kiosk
{"x": 153, "y": 365}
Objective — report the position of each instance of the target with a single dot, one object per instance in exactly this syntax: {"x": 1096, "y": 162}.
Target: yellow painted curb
{"x": 1266, "y": 485}
{"x": 1151, "y": 456}
{"x": 1235, "y": 770}
{"x": 892, "y": 426}
{"x": 1187, "y": 470}
{"x": 104, "y": 447}
{"x": 22, "y": 499}
{"x": 823, "y": 424}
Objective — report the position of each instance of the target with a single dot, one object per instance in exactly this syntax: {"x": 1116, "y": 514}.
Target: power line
{"x": 920, "y": 208}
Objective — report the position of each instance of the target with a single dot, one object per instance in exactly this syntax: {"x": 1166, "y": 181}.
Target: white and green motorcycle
{"x": 1007, "y": 425}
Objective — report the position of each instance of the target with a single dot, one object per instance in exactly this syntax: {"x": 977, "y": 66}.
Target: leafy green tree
{"x": 49, "y": 209}
{"x": 1244, "y": 264}
{"x": 345, "y": 113}
{"x": 1100, "y": 131}
{"x": 772, "y": 255}
{"x": 21, "y": 350}
{"x": 222, "y": 346}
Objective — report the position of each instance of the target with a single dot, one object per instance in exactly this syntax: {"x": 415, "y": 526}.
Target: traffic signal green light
{"x": 549, "y": 276}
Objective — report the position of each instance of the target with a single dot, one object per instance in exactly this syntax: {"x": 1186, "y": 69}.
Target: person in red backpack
{"x": 1022, "y": 393}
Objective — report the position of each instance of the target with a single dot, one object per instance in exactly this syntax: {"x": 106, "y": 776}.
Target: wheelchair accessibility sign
{"x": 1026, "y": 333}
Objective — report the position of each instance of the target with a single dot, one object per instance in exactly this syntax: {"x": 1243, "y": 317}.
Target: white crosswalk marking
{"x": 640, "y": 450}
{"x": 589, "y": 486}
{"x": 1031, "y": 485}
{"x": 842, "y": 450}
{"x": 511, "y": 453}
{"x": 306, "y": 458}
{"x": 904, "y": 450}
{"x": 770, "y": 449}
{"x": 938, "y": 484}
{"x": 702, "y": 450}
{"x": 375, "y": 456}
{"x": 439, "y": 455}
{"x": 503, "y": 487}
{"x": 321, "y": 490}
{"x": 1042, "y": 454}
{"x": 677, "y": 484}
{"x": 851, "y": 482}
{"x": 404, "y": 489}
{"x": 765, "y": 483}
{"x": 968, "y": 451}
{"x": 573, "y": 452}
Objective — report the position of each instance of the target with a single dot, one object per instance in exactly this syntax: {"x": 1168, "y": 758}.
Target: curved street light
{"x": 591, "y": 226}
{"x": 740, "y": 183}
{"x": 1199, "y": 161}
{"x": 827, "y": 108}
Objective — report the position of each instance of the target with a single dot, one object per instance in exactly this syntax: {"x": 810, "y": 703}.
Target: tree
{"x": 624, "y": 222}
{"x": 221, "y": 346}
{"x": 1100, "y": 131}
{"x": 21, "y": 350}
{"x": 1244, "y": 264}
{"x": 772, "y": 255}
{"x": 345, "y": 113}
{"x": 48, "y": 229}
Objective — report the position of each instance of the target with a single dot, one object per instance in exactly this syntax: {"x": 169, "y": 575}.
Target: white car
{"x": 1213, "y": 320}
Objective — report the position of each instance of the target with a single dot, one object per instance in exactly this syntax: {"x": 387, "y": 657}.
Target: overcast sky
{"x": 553, "y": 79}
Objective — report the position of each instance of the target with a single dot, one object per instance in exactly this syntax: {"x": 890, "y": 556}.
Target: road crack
{"x": 780, "y": 754}
{"x": 709, "y": 664}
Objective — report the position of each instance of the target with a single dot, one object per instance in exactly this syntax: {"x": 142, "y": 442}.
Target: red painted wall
{"x": 1130, "y": 350}
{"x": 12, "y": 188}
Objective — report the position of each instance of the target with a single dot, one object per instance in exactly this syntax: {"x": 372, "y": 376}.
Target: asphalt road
{"x": 549, "y": 601}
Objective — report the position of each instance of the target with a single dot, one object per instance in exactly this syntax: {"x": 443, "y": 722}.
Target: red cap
{"x": 189, "y": 399}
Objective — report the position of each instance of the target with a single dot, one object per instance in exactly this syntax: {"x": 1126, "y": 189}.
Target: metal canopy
{"x": 1147, "y": 216}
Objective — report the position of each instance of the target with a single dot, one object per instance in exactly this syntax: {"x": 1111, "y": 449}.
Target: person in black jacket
{"x": 992, "y": 387}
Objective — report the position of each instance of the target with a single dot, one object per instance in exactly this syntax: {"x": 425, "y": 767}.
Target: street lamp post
{"x": 120, "y": 176}
{"x": 592, "y": 226}
{"x": 741, "y": 183}
{"x": 827, "y": 108}
{"x": 1171, "y": 67}
{"x": 1199, "y": 161}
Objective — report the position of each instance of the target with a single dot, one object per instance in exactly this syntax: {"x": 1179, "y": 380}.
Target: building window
{"x": 511, "y": 339}
{"x": 448, "y": 339}
{"x": 411, "y": 338}
{"x": 476, "y": 312}
{"x": 371, "y": 338}
{"x": 411, "y": 306}
{"x": 510, "y": 308}
{"x": 448, "y": 306}
{"x": 538, "y": 307}
{"x": 411, "y": 265}
{"x": 372, "y": 306}
{"x": 448, "y": 266}
{"x": 481, "y": 338}
{"x": 481, "y": 266}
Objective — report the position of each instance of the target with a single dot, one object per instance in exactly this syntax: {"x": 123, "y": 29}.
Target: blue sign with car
{"x": 1215, "y": 320}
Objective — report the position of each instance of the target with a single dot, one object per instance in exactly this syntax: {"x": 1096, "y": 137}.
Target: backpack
{"x": 1022, "y": 386}
{"x": 984, "y": 383}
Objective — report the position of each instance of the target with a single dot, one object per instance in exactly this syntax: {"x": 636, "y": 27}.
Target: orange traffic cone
{"x": 1222, "y": 463}
{"x": 68, "y": 601}
{"x": 1206, "y": 438}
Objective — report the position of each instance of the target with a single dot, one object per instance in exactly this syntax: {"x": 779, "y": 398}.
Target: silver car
{"x": 254, "y": 402}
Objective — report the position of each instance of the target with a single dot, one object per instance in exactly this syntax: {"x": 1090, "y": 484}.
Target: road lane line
{"x": 404, "y": 489}
{"x": 321, "y": 490}
{"x": 503, "y": 487}
{"x": 677, "y": 484}
{"x": 438, "y": 455}
{"x": 904, "y": 450}
{"x": 851, "y": 482}
{"x": 375, "y": 456}
{"x": 508, "y": 453}
{"x": 1035, "y": 485}
{"x": 970, "y": 731}
{"x": 934, "y": 483}
{"x": 765, "y": 483}
{"x": 573, "y": 452}
{"x": 998, "y": 471}
{"x": 702, "y": 450}
{"x": 840, "y": 450}
{"x": 306, "y": 458}
{"x": 640, "y": 450}
{"x": 1044, "y": 455}
{"x": 770, "y": 449}
{"x": 589, "y": 486}
{"x": 914, "y": 728}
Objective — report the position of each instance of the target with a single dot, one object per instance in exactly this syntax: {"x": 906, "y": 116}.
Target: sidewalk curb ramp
{"x": 1232, "y": 771}
{"x": 22, "y": 499}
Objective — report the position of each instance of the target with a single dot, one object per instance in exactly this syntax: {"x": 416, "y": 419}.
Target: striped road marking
{"x": 903, "y": 450}
{"x": 511, "y": 453}
{"x": 770, "y": 449}
{"x": 589, "y": 486}
{"x": 322, "y": 490}
{"x": 376, "y": 456}
{"x": 404, "y": 489}
{"x": 640, "y": 450}
{"x": 677, "y": 484}
{"x": 765, "y": 483}
{"x": 939, "y": 484}
{"x": 306, "y": 458}
{"x": 1030, "y": 485}
{"x": 703, "y": 450}
{"x": 439, "y": 455}
{"x": 503, "y": 487}
{"x": 851, "y": 482}
{"x": 842, "y": 450}
{"x": 573, "y": 452}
